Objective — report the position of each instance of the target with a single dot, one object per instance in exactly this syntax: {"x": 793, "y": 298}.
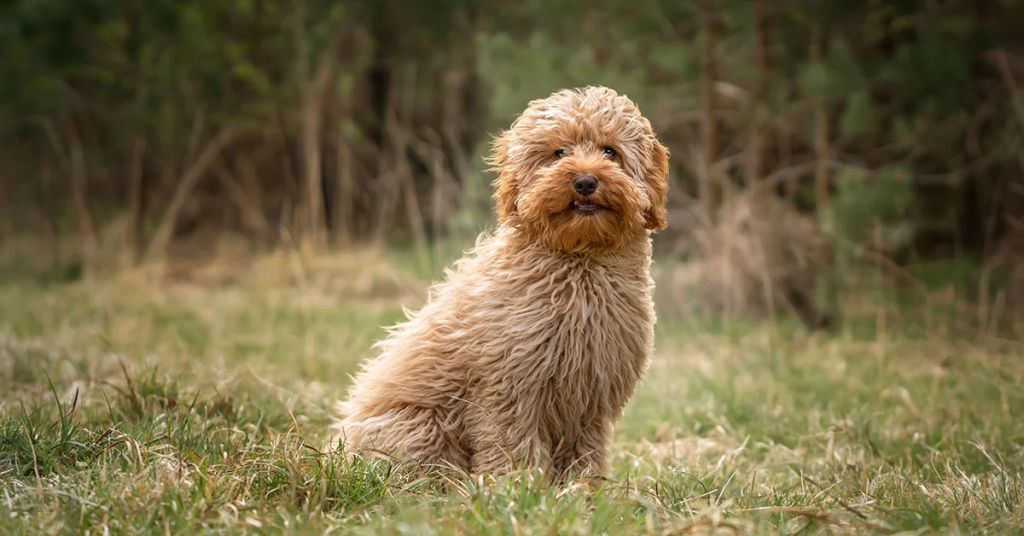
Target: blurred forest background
{"x": 808, "y": 138}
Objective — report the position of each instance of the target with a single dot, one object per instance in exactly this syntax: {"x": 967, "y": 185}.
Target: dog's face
{"x": 581, "y": 171}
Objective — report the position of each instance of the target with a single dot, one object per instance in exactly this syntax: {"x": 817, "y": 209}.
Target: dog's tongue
{"x": 583, "y": 205}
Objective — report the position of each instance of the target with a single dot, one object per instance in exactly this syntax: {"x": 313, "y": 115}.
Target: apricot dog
{"x": 528, "y": 352}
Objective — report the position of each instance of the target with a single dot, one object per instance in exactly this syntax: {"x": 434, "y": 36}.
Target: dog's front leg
{"x": 506, "y": 443}
{"x": 588, "y": 456}
{"x": 494, "y": 457}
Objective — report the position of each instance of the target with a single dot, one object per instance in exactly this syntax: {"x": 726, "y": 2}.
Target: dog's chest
{"x": 583, "y": 341}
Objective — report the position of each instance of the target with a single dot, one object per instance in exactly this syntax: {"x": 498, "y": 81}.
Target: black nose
{"x": 585, "y": 185}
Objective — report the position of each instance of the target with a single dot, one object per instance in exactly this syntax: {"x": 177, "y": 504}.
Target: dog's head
{"x": 581, "y": 171}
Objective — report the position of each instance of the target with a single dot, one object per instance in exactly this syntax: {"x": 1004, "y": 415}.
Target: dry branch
{"x": 248, "y": 207}
{"x": 157, "y": 250}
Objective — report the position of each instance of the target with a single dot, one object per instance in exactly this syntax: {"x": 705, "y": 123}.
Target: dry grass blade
{"x": 206, "y": 159}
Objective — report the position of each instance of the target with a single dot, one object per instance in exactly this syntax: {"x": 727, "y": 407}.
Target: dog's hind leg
{"x": 411, "y": 433}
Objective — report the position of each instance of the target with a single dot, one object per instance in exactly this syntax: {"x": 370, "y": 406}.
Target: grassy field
{"x": 129, "y": 406}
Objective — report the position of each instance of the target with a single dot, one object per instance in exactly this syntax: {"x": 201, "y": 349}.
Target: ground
{"x": 185, "y": 406}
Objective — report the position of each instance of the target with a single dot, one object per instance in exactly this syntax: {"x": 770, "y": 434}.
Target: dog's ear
{"x": 656, "y": 179}
{"x": 506, "y": 187}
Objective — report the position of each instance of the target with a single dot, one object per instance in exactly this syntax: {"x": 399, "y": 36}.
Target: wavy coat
{"x": 527, "y": 353}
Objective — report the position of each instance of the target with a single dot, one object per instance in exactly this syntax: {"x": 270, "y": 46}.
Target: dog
{"x": 527, "y": 353}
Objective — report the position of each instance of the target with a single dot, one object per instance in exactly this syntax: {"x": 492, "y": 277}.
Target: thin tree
{"x": 313, "y": 88}
{"x": 756, "y": 134}
{"x": 710, "y": 189}
{"x": 821, "y": 136}
{"x": 136, "y": 201}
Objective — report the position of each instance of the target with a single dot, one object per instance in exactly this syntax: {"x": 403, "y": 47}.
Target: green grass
{"x": 133, "y": 407}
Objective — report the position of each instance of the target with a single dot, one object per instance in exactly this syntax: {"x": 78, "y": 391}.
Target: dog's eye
{"x": 559, "y": 153}
{"x": 609, "y": 152}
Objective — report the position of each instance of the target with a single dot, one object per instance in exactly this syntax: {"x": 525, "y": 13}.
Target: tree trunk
{"x": 393, "y": 159}
{"x": 136, "y": 203}
{"x": 79, "y": 191}
{"x": 710, "y": 189}
{"x": 314, "y": 90}
{"x": 344, "y": 193}
{"x": 51, "y": 229}
{"x": 756, "y": 143}
{"x": 821, "y": 145}
{"x": 311, "y": 127}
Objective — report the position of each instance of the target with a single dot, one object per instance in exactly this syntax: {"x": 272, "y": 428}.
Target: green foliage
{"x": 933, "y": 67}
{"x": 872, "y": 211}
{"x": 835, "y": 76}
{"x": 44, "y": 440}
{"x": 907, "y": 82}
{"x": 675, "y": 60}
{"x": 860, "y": 117}
{"x": 503, "y": 58}
{"x": 900, "y": 82}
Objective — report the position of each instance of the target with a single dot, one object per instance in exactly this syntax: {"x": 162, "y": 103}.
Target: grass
{"x": 127, "y": 406}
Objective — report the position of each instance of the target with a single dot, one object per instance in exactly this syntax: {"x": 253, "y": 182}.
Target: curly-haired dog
{"x": 528, "y": 352}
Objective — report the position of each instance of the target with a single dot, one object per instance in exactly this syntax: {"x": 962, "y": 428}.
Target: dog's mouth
{"x": 585, "y": 207}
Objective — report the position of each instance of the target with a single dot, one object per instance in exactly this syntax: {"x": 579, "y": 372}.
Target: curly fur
{"x": 529, "y": 350}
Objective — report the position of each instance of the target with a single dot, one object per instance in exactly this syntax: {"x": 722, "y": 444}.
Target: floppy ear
{"x": 656, "y": 179}
{"x": 506, "y": 186}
